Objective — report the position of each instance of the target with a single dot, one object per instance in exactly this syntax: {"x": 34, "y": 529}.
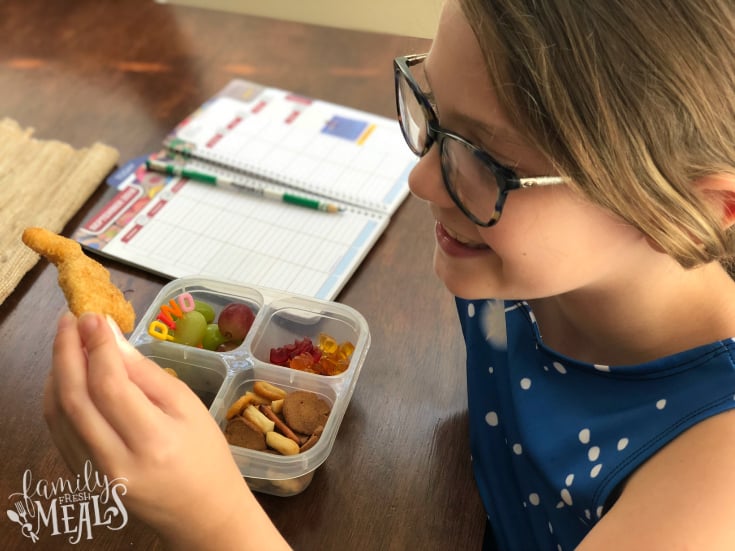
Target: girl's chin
{"x": 468, "y": 272}
{"x": 462, "y": 283}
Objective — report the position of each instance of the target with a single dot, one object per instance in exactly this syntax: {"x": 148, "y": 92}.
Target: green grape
{"x": 212, "y": 337}
{"x": 190, "y": 328}
{"x": 205, "y": 309}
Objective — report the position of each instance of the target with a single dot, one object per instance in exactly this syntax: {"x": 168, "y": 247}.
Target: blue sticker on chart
{"x": 342, "y": 127}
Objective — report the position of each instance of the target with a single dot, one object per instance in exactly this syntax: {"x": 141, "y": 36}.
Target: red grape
{"x": 235, "y": 320}
{"x": 228, "y": 345}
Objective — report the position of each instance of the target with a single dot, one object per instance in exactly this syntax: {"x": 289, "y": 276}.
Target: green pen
{"x": 267, "y": 192}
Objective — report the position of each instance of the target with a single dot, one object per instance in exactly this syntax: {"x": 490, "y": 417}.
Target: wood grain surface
{"x": 124, "y": 73}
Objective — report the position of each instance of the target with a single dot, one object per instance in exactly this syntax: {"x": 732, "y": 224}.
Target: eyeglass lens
{"x": 412, "y": 117}
{"x": 468, "y": 179}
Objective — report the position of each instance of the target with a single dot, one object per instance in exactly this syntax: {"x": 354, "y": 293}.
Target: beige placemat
{"x": 42, "y": 183}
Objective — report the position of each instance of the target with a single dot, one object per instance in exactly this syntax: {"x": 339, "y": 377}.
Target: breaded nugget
{"x": 86, "y": 283}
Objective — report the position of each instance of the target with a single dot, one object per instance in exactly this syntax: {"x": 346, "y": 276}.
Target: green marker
{"x": 267, "y": 192}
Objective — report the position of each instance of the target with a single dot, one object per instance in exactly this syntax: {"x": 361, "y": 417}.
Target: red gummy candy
{"x": 282, "y": 355}
{"x": 304, "y": 356}
{"x": 279, "y": 356}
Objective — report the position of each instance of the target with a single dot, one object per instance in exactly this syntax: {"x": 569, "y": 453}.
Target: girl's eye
{"x": 505, "y": 162}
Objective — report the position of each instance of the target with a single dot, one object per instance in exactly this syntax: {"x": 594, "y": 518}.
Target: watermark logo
{"x": 70, "y": 508}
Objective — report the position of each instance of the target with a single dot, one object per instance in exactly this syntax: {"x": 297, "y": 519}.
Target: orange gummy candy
{"x": 302, "y": 362}
{"x": 347, "y": 348}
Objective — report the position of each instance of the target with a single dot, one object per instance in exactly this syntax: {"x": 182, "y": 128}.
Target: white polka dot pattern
{"x": 560, "y": 368}
{"x": 491, "y": 418}
{"x": 593, "y": 453}
{"x": 570, "y": 431}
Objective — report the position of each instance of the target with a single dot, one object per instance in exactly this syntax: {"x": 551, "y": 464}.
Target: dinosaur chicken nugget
{"x": 85, "y": 282}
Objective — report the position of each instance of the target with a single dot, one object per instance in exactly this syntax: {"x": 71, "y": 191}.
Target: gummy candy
{"x": 302, "y": 362}
{"x": 327, "y": 344}
{"x": 347, "y": 348}
{"x": 328, "y": 358}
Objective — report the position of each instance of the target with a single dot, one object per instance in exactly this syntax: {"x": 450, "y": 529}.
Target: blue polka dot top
{"x": 552, "y": 438}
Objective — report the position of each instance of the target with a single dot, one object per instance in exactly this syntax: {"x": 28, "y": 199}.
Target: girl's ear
{"x": 729, "y": 210}
{"x": 719, "y": 190}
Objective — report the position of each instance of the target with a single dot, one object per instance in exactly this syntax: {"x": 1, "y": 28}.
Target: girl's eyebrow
{"x": 495, "y": 132}
{"x": 490, "y": 132}
{"x": 486, "y": 135}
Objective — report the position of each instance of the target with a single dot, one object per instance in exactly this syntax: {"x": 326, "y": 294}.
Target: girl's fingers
{"x": 67, "y": 397}
{"x": 71, "y": 447}
{"x": 171, "y": 395}
{"x": 124, "y": 406}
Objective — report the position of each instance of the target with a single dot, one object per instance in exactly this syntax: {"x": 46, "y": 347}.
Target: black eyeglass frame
{"x": 505, "y": 178}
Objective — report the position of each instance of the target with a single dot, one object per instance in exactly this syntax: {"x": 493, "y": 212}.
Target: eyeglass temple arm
{"x": 541, "y": 181}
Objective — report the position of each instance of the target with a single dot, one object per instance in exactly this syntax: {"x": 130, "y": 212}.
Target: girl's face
{"x": 549, "y": 240}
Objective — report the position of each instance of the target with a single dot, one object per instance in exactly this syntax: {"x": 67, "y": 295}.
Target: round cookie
{"x": 304, "y": 411}
{"x": 243, "y": 433}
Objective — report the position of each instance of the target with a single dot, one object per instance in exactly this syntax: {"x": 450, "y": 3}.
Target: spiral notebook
{"x": 175, "y": 227}
{"x": 350, "y": 156}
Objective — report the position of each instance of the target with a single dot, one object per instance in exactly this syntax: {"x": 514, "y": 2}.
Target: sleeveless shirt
{"x": 552, "y": 438}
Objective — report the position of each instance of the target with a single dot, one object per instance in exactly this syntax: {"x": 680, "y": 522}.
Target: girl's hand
{"x": 107, "y": 403}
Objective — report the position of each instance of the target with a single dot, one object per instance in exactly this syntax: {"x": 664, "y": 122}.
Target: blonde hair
{"x": 633, "y": 100}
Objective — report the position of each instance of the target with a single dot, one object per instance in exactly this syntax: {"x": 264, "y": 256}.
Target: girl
{"x": 579, "y": 160}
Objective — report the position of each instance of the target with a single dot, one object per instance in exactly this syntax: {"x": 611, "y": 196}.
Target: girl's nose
{"x": 426, "y": 180}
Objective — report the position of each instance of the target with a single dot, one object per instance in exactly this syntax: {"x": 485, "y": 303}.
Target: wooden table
{"x": 125, "y": 73}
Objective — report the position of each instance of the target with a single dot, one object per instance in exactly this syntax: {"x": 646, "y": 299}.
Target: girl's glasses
{"x": 477, "y": 183}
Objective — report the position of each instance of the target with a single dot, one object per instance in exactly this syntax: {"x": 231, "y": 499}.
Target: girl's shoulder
{"x": 679, "y": 498}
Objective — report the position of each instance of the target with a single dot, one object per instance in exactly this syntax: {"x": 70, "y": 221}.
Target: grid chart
{"x": 188, "y": 230}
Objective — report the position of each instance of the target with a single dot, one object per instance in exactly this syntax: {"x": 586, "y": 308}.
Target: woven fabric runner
{"x": 42, "y": 183}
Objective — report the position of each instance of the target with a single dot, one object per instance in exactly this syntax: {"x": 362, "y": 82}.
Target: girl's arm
{"x": 681, "y": 498}
{"x": 107, "y": 403}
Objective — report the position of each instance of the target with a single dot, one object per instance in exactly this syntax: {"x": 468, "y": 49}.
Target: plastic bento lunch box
{"x": 220, "y": 378}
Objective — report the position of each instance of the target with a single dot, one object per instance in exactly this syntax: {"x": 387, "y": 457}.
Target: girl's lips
{"x": 453, "y": 247}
